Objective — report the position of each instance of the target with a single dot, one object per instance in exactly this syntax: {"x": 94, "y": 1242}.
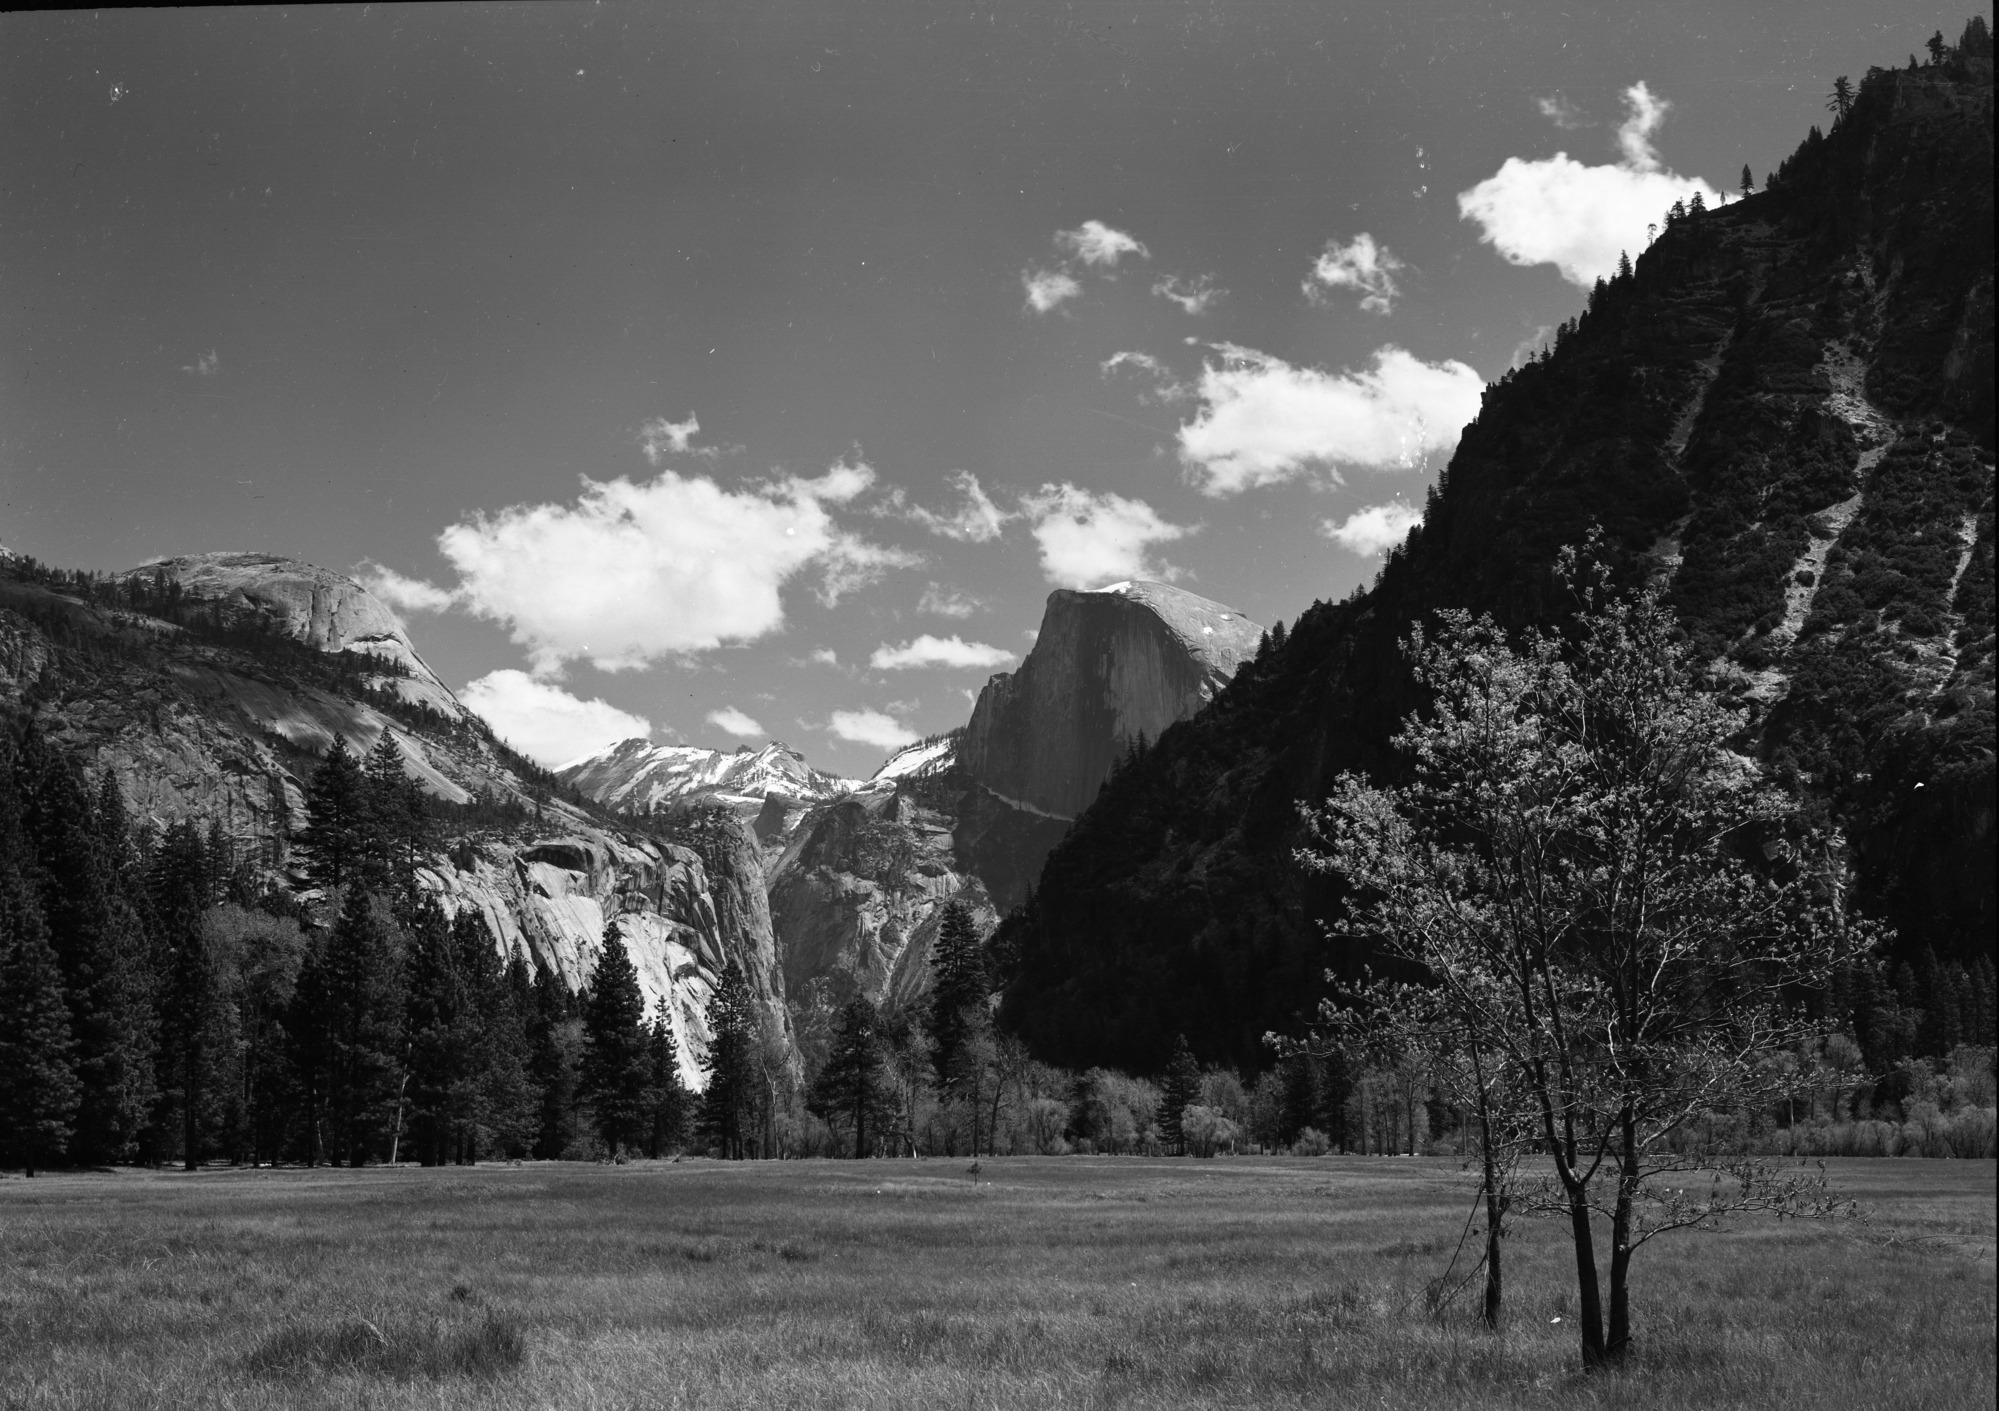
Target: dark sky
{"x": 384, "y": 286}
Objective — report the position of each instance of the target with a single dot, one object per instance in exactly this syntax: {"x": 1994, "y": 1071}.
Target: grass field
{"x": 1066, "y": 1282}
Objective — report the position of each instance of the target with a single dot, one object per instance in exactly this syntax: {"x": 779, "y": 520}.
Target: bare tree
{"x": 1570, "y": 868}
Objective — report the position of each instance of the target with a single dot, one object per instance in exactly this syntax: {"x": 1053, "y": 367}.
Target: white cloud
{"x": 1165, "y": 387}
{"x": 660, "y": 438}
{"x": 871, "y": 727}
{"x": 977, "y": 521}
{"x": 1362, "y": 265}
{"x": 1561, "y": 112}
{"x": 402, "y": 594}
{"x": 632, "y": 572}
{"x": 1579, "y": 218}
{"x": 735, "y": 722}
{"x": 545, "y": 722}
{"x": 1095, "y": 243}
{"x": 1374, "y": 529}
{"x": 927, "y": 650}
{"x": 948, "y": 602}
{"x": 1088, "y": 539}
{"x": 1048, "y": 288}
{"x": 825, "y": 656}
{"x": 1194, "y": 296}
{"x": 205, "y": 365}
{"x": 1263, "y": 420}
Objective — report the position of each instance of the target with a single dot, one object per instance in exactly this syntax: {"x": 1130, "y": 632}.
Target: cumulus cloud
{"x": 1579, "y": 218}
{"x": 205, "y": 365}
{"x": 631, "y": 572}
{"x": 1375, "y": 529}
{"x": 1194, "y": 296}
{"x": 735, "y": 722}
{"x": 1362, "y": 265}
{"x": 824, "y": 656}
{"x": 660, "y": 438}
{"x": 545, "y": 722}
{"x": 1262, "y": 420}
{"x": 402, "y": 594}
{"x": 871, "y": 727}
{"x": 1164, "y": 386}
{"x": 1088, "y": 538}
{"x": 947, "y": 602}
{"x": 977, "y": 521}
{"x": 1095, "y": 243}
{"x": 1047, "y": 289}
{"x": 927, "y": 650}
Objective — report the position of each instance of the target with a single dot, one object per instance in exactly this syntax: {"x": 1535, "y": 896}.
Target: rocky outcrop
{"x": 1107, "y": 667}
{"x": 229, "y": 727}
{"x": 858, "y": 894}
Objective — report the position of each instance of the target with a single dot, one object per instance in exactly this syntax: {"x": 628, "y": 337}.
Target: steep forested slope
{"x": 1787, "y": 409}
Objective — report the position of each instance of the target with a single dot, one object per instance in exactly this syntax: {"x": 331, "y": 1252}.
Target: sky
{"x": 744, "y": 372}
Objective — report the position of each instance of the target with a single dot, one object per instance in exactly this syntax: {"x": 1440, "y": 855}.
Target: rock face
{"x": 1106, "y": 668}
{"x": 197, "y": 721}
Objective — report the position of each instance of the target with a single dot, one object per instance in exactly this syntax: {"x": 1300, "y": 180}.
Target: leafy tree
{"x": 38, "y": 1085}
{"x": 616, "y": 1071}
{"x": 728, "y": 1106}
{"x": 850, "y": 1085}
{"x": 334, "y": 840}
{"x": 1181, "y": 1088}
{"x": 1570, "y": 869}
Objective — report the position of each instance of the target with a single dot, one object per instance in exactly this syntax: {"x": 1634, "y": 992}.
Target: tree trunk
{"x": 1589, "y": 1300}
{"x": 1620, "y": 1243}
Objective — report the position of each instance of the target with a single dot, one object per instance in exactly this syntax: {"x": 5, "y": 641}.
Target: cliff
{"x": 210, "y": 686}
{"x": 1786, "y": 411}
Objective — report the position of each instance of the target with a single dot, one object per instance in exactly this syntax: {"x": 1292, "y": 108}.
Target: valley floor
{"x": 1064, "y": 1282}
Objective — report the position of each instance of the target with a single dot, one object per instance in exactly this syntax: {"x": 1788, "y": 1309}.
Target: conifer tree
{"x": 443, "y": 1040}
{"x": 1181, "y": 1088}
{"x": 334, "y": 839}
{"x": 728, "y": 1105}
{"x": 1748, "y": 181}
{"x": 38, "y": 1086}
{"x": 364, "y": 1026}
{"x": 511, "y": 1100}
{"x": 850, "y": 1085}
{"x": 616, "y": 1072}
{"x": 552, "y": 1063}
{"x": 98, "y": 941}
{"x": 178, "y": 886}
{"x": 669, "y": 1094}
{"x": 957, "y": 990}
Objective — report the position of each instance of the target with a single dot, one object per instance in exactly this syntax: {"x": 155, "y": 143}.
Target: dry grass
{"x": 1073, "y": 1282}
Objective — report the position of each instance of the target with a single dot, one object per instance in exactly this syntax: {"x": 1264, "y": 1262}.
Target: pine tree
{"x": 729, "y": 1104}
{"x": 511, "y": 1099}
{"x": 334, "y": 840}
{"x": 364, "y": 1022}
{"x": 552, "y": 1064}
{"x": 1748, "y": 181}
{"x": 38, "y": 1085}
{"x": 669, "y": 1094}
{"x": 616, "y": 1071}
{"x": 178, "y": 885}
{"x": 443, "y": 1041}
{"x": 957, "y": 990}
{"x": 1181, "y": 1088}
{"x": 72, "y": 858}
{"x": 850, "y": 1085}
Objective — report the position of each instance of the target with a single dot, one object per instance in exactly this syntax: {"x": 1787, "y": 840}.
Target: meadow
{"x": 1057, "y": 1282}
